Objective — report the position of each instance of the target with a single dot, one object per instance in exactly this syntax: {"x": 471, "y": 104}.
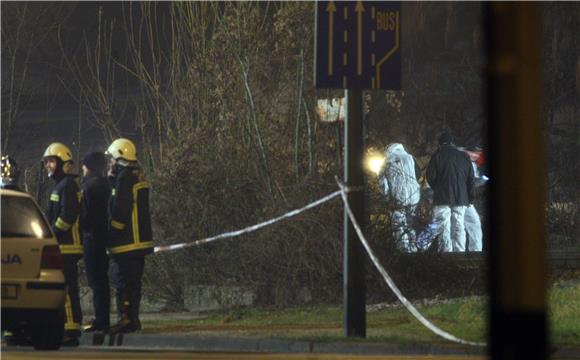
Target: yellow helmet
{"x": 123, "y": 149}
{"x": 58, "y": 150}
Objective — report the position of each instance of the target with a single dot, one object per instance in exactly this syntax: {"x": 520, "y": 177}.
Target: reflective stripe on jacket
{"x": 130, "y": 223}
{"x": 63, "y": 213}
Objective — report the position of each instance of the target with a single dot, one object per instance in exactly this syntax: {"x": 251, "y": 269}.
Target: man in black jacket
{"x": 130, "y": 235}
{"x": 63, "y": 215}
{"x": 450, "y": 175}
{"x": 94, "y": 223}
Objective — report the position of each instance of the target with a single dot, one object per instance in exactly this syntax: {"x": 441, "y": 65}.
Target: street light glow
{"x": 375, "y": 162}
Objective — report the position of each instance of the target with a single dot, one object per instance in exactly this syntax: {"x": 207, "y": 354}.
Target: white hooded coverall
{"x": 472, "y": 221}
{"x": 398, "y": 181}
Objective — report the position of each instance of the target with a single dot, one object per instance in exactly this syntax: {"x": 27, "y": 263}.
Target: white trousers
{"x": 449, "y": 223}
{"x": 403, "y": 233}
{"x": 473, "y": 229}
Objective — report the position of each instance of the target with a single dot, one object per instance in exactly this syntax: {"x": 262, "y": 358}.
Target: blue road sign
{"x": 358, "y": 45}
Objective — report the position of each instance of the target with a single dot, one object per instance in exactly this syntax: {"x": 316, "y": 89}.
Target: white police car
{"x": 33, "y": 285}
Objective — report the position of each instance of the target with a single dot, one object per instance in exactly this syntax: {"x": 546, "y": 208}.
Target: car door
{"x": 24, "y": 233}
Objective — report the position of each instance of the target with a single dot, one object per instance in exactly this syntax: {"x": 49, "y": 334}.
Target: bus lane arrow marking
{"x": 359, "y": 9}
{"x": 330, "y": 9}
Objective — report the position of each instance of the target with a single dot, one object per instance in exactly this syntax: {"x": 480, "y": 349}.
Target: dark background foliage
{"x": 219, "y": 98}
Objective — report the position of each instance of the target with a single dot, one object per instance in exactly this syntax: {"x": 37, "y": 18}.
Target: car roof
{"x": 7, "y": 192}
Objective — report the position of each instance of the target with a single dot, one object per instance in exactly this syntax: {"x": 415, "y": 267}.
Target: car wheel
{"x": 48, "y": 331}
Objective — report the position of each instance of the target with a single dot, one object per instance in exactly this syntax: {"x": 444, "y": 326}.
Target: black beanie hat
{"x": 446, "y": 138}
{"x": 95, "y": 161}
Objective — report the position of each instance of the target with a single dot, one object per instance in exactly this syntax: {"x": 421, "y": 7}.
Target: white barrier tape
{"x": 391, "y": 283}
{"x": 343, "y": 191}
{"x": 250, "y": 228}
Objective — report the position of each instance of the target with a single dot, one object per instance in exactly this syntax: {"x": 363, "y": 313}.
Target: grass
{"x": 464, "y": 318}
{"x": 564, "y": 313}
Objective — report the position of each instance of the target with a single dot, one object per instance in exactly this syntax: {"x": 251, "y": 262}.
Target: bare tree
{"x": 94, "y": 70}
{"x": 27, "y": 37}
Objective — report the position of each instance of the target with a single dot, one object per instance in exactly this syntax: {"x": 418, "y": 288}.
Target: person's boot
{"x": 71, "y": 338}
{"x": 135, "y": 320}
{"x": 133, "y": 312}
{"x": 124, "y": 326}
{"x": 95, "y": 327}
{"x": 70, "y": 341}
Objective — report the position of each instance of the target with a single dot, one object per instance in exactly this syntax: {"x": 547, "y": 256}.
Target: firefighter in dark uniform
{"x": 10, "y": 173}
{"x": 63, "y": 213}
{"x": 94, "y": 225}
{"x": 130, "y": 235}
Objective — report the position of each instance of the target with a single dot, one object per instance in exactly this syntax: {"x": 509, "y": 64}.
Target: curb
{"x": 265, "y": 345}
{"x": 189, "y": 342}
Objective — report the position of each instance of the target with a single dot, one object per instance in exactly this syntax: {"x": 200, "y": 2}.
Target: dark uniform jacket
{"x": 130, "y": 222}
{"x": 63, "y": 213}
{"x": 450, "y": 175}
{"x": 94, "y": 212}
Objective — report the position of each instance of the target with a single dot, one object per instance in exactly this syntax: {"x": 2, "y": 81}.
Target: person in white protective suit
{"x": 473, "y": 229}
{"x": 472, "y": 221}
{"x": 398, "y": 181}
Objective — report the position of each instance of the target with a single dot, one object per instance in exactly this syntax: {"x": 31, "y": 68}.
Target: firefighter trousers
{"x": 73, "y": 313}
{"x": 126, "y": 275}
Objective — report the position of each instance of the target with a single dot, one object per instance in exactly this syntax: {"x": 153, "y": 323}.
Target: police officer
{"x": 10, "y": 173}
{"x": 130, "y": 236}
{"x": 63, "y": 214}
{"x": 94, "y": 223}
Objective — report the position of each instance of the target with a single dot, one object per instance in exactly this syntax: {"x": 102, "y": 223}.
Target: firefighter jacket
{"x": 63, "y": 213}
{"x": 130, "y": 223}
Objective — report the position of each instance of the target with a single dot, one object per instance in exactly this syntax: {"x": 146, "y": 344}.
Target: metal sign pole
{"x": 354, "y": 274}
{"x": 357, "y": 46}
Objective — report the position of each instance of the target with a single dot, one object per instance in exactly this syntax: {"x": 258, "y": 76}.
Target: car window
{"x": 21, "y": 218}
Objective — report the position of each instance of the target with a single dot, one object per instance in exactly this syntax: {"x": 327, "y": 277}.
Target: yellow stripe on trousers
{"x": 70, "y": 323}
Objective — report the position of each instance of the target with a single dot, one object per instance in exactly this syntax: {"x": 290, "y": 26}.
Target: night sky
{"x": 48, "y": 112}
